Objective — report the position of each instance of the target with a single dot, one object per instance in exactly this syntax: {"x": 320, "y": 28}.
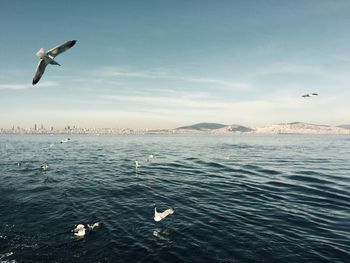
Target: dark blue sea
{"x": 281, "y": 198}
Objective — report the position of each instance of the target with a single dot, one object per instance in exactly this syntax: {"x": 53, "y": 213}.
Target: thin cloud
{"x": 290, "y": 68}
{"x": 15, "y": 86}
{"x": 206, "y": 103}
{"x": 236, "y": 85}
{"x": 181, "y": 102}
{"x": 20, "y": 86}
{"x": 165, "y": 74}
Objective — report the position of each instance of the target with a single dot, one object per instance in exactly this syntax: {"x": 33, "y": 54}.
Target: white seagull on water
{"x": 65, "y": 140}
{"x": 80, "y": 230}
{"x": 150, "y": 157}
{"x": 159, "y": 216}
{"x": 137, "y": 165}
{"x": 97, "y": 224}
{"x": 48, "y": 58}
{"x": 44, "y": 167}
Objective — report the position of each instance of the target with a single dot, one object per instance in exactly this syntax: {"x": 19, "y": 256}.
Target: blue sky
{"x": 164, "y": 64}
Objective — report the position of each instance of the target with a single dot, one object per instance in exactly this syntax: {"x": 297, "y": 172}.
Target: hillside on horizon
{"x": 204, "y": 126}
{"x": 280, "y": 128}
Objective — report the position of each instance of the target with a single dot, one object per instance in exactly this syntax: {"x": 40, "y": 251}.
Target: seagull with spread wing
{"x": 48, "y": 58}
{"x": 307, "y": 95}
{"x": 161, "y": 215}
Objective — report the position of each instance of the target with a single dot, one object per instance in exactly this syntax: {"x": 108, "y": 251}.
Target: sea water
{"x": 240, "y": 198}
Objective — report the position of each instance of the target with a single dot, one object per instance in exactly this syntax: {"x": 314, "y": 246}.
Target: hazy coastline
{"x": 199, "y": 128}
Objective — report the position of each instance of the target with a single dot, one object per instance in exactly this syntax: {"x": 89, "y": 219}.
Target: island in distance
{"x": 281, "y": 128}
{"x": 302, "y": 128}
{"x": 205, "y": 126}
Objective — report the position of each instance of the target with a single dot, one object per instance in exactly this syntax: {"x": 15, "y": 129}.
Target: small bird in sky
{"x": 48, "y": 58}
{"x": 309, "y": 95}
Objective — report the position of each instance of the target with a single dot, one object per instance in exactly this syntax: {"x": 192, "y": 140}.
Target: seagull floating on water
{"x": 80, "y": 230}
{"x": 150, "y": 157}
{"x": 137, "y": 165}
{"x": 48, "y": 58}
{"x": 159, "y": 216}
{"x": 97, "y": 224}
{"x": 65, "y": 140}
{"x": 309, "y": 95}
{"x": 44, "y": 167}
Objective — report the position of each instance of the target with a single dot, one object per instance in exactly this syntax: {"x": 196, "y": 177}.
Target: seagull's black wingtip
{"x": 73, "y": 42}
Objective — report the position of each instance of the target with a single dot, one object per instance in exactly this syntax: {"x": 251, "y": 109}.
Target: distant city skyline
{"x": 163, "y": 64}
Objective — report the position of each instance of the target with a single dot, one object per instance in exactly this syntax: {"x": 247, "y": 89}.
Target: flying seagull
{"x": 309, "y": 95}
{"x": 159, "y": 216}
{"x": 48, "y": 58}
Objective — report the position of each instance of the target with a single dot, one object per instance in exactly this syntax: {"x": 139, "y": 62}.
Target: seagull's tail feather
{"x": 53, "y": 62}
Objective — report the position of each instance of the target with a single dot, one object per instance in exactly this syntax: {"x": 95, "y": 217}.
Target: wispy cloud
{"x": 206, "y": 102}
{"x": 20, "y": 86}
{"x": 231, "y": 84}
{"x": 15, "y": 86}
{"x": 290, "y": 68}
{"x": 167, "y": 74}
{"x": 156, "y": 102}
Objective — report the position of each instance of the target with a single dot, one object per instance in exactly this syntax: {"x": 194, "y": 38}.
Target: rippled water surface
{"x": 236, "y": 199}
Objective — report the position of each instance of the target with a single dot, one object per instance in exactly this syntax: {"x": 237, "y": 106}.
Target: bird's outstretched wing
{"x": 53, "y": 52}
{"x": 162, "y": 215}
{"x": 40, "y": 69}
{"x": 167, "y": 212}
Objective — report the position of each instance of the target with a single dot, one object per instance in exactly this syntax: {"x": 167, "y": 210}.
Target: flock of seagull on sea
{"x": 48, "y": 58}
{"x": 81, "y": 230}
